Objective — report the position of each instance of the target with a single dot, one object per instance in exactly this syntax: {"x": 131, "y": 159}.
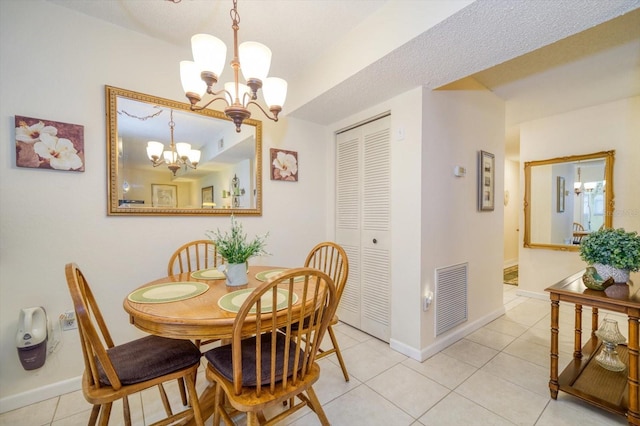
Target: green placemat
{"x": 232, "y": 302}
{"x": 168, "y": 292}
{"x": 267, "y": 275}
{"x": 208, "y": 274}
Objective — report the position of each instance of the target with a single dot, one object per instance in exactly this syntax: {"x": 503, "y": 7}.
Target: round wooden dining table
{"x": 199, "y": 317}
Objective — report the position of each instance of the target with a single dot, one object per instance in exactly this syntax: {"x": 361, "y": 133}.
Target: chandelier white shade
{"x": 255, "y": 59}
{"x": 209, "y": 53}
{"x": 274, "y": 91}
{"x": 199, "y": 76}
{"x": 192, "y": 84}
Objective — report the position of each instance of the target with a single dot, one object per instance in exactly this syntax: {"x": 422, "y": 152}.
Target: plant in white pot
{"x": 236, "y": 250}
{"x": 613, "y": 252}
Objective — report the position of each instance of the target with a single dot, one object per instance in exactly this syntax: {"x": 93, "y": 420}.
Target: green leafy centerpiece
{"x": 234, "y": 247}
{"x": 612, "y": 252}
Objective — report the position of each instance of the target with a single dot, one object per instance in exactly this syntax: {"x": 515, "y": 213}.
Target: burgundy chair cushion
{"x": 150, "y": 357}
{"x": 221, "y": 359}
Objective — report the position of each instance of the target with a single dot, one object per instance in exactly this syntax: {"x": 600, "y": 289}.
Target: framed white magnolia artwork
{"x": 46, "y": 144}
{"x": 284, "y": 165}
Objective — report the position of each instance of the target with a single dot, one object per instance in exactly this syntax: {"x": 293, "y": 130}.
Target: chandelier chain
{"x": 141, "y": 118}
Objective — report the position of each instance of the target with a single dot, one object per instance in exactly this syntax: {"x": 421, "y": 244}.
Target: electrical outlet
{"x": 68, "y": 321}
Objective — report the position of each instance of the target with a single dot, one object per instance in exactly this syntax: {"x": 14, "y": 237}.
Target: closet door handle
{"x": 375, "y": 241}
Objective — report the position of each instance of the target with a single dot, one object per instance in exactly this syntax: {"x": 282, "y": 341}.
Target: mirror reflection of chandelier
{"x": 209, "y": 56}
{"x": 178, "y": 155}
{"x": 577, "y": 186}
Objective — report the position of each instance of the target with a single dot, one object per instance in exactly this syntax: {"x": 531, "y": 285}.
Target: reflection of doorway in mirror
{"x": 592, "y": 202}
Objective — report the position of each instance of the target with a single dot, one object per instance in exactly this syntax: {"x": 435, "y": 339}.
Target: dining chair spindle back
{"x": 577, "y": 229}
{"x": 276, "y": 363}
{"x": 113, "y": 372}
{"x": 331, "y": 259}
{"x": 190, "y": 257}
{"x": 193, "y": 256}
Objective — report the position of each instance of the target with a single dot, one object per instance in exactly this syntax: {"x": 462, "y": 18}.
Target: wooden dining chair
{"x": 190, "y": 257}
{"x": 577, "y": 228}
{"x": 271, "y": 358}
{"x": 331, "y": 259}
{"x": 114, "y": 372}
{"x": 193, "y": 256}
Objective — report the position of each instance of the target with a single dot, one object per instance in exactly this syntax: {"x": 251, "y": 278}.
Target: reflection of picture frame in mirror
{"x": 561, "y": 194}
{"x": 164, "y": 195}
{"x": 486, "y": 181}
{"x": 207, "y": 198}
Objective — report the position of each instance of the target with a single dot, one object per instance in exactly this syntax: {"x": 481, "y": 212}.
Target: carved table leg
{"x": 633, "y": 413}
{"x": 594, "y": 321}
{"x": 577, "y": 341}
{"x": 555, "y": 313}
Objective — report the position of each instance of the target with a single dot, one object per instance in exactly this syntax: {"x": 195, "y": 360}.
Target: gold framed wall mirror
{"x": 566, "y": 198}
{"x": 227, "y": 178}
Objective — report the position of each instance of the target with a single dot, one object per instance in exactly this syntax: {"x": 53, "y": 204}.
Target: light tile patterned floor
{"x": 497, "y": 375}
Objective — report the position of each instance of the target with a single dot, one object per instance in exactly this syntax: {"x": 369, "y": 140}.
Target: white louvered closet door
{"x": 363, "y": 225}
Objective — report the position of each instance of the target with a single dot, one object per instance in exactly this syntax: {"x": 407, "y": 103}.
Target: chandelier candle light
{"x": 179, "y": 154}
{"x": 199, "y": 76}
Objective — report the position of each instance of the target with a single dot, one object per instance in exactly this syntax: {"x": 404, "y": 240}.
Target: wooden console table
{"x": 583, "y": 377}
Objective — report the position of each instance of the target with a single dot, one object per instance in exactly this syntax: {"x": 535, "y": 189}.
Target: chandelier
{"x": 199, "y": 76}
{"x": 177, "y": 156}
{"x": 577, "y": 185}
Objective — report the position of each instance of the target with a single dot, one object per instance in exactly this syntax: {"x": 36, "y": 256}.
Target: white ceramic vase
{"x": 236, "y": 273}
{"x": 620, "y": 276}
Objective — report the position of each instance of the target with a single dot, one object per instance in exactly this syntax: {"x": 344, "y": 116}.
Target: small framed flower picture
{"x": 46, "y": 144}
{"x": 284, "y": 165}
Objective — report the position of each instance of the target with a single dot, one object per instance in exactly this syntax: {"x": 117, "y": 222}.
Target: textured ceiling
{"x": 296, "y": 31}
{"x": 542, "y": 57}
{"x": 489, "y": 35}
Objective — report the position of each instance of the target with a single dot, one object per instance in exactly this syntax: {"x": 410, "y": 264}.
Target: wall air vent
{"x": 451, "y": 297}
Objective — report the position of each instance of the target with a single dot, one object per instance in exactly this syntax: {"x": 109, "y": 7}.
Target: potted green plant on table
{"x": 612, "y": 252}
{"x": 234, "y": 247}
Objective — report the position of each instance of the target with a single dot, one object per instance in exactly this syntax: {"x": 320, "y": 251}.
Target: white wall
{"x": 456, "y": 126}
{"x": 512, "y": 208}
{"x": 54, "y": 65}
{"x": 611, "y": 126}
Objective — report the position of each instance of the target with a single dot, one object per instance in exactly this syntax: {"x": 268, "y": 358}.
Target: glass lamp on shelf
{"x": 611, "y": 338}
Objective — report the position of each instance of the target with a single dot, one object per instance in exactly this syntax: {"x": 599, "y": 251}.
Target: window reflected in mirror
{"x": 153, "y": 172}
{"x": 567, "y": 198}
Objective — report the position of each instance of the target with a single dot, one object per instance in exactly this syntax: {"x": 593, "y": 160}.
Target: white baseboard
{"x": 425, "y": 353}
{"x": 43, "y": 393}
{"x": 533, "y": 294}
{"x": 404, "y": 349}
